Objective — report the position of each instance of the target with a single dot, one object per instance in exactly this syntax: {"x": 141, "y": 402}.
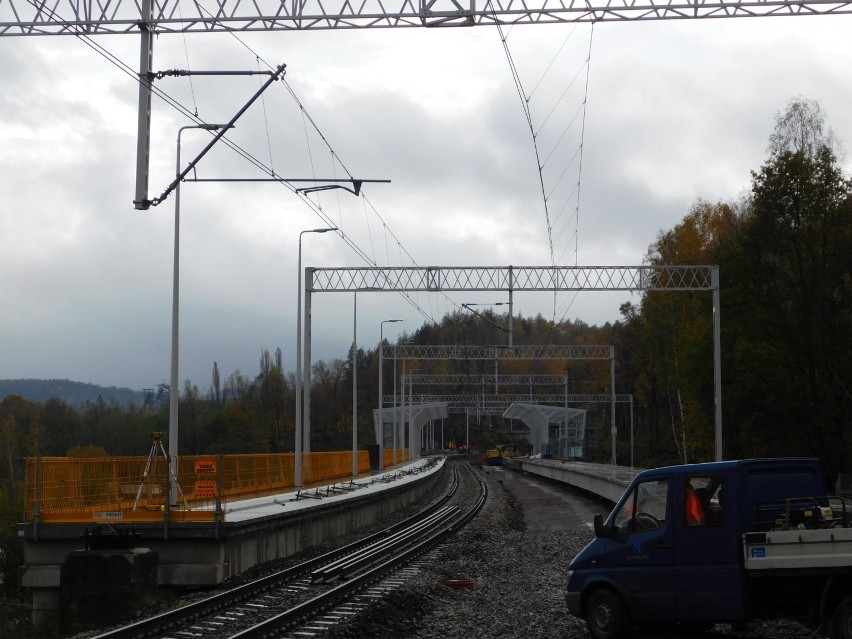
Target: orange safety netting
{"x": 76, "y": 489}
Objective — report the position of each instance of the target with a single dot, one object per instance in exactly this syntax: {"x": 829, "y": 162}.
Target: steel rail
{"x": 297, "y": 614}
{"x": 170, "y": 619}
{"x": 373, "y": 553}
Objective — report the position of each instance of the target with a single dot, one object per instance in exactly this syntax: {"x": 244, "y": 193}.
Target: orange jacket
{"x": 694, "y": 509}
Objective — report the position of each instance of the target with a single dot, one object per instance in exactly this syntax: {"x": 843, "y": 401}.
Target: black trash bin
{"x": 373, "y": 450}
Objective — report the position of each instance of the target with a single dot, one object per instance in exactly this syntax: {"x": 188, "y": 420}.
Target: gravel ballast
{"x": 518, "y": 584}
{"x": 509, "y": 576}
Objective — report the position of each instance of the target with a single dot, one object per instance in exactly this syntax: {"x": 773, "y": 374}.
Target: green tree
{"x": 62, "y": 427}
{"x": 792, "y": 297}
{"x": 675, "y": 331}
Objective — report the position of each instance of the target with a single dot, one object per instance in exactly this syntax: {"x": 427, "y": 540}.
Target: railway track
{"x": 324, "y": 591}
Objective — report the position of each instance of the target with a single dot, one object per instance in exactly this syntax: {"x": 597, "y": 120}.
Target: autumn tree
{"x": 327, "y": 404}
{"x": 792, "y": 297}
{"x": 675, "y": 331}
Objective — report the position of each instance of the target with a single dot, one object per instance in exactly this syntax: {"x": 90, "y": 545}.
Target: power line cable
{"x": 192, "y": 115}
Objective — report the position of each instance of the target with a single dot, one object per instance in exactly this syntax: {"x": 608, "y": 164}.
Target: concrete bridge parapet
{"x": 606, "y": 481}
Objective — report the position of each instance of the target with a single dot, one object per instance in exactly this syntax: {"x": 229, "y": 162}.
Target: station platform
{"x": 336, "y": 494}
{"x": 203, "y": 554}
{"x": 602, "y": 480}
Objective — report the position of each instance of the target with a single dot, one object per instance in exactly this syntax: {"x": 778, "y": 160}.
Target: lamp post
{"x": 411, "y": 413}
{"x": 381, "y": 399}
{"x": 355, "y": 386}
{"x": 395, "y": 408}
{"x": 398, "y": 443}
{"x": 401, "y": 404}
{"x": 174, "y": 391}
{"x": 297, "y": 482}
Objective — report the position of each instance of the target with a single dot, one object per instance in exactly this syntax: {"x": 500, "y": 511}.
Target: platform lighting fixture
{"x": 174, "y": 390}
{"x": 381, "y": 400}
{"x": 297, "y": 481}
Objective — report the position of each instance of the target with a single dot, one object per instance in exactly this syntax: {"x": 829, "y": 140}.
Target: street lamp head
{"x": 215, "y": 127}
{"x": 324, "y": 229}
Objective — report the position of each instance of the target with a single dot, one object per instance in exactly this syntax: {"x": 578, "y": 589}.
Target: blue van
{"x": 672, "y": 548}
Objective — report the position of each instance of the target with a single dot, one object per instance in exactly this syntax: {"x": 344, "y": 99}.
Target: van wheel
{"x": 606, "y": 615}
{"x": 841, "y": 620}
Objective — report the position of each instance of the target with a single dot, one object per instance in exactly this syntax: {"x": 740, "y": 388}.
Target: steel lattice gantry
{"x": 670, "y": 278}
{"x": 74, "y": 17}
{"x": 495, "y": 404}
{"x": 499, "y": 402}
{"x": 477, "y": 352}
{"x": 150, "y": 18}
{"x": 459, "y": 379}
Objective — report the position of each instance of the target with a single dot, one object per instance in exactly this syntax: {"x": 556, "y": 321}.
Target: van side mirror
{"x": 601, "y": 530}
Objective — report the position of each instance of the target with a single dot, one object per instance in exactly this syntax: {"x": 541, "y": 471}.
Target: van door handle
{"x": 663, "y": 544}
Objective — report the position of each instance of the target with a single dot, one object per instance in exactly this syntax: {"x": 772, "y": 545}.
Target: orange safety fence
{"x": 85, "y": 489}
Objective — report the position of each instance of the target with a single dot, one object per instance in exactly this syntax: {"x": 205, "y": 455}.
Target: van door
{"x": 708, "y": 578}
{"x": 638, "y": 557}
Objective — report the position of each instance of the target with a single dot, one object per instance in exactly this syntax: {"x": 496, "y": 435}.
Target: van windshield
{"x": 644, "y": 509}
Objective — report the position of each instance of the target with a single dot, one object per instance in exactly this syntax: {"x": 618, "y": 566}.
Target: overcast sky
{"x": 676, "y": 111}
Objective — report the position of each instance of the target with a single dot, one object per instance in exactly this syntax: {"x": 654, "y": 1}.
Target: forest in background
{"x": 785, "y": 261}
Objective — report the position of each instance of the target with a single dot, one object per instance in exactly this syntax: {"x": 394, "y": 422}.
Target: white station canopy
{"x": 539, "y": 417}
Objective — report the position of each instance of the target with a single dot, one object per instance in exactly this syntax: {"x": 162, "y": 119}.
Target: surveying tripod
{"x": 151, "y": 465}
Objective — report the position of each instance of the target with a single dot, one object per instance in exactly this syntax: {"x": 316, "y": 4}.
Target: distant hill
{"x": 74, "y": 393}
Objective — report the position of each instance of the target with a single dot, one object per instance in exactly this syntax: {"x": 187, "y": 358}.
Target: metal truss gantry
{"x": 459, "y": 379}
{"x": 38, "y": 17}
{"x": 670, "y": 278}
{"x": 497, "y": 352}
{"x": 496, "y": 404}
{"x": 512, "y": 278}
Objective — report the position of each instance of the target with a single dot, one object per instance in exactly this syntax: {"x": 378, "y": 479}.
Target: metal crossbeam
{"x": 473, "y": 352}
{"x": 472, "y": 400}
{"x": 512, "y": 278}
{"x": 75, "y": 17}
{"x": 479, "y": 379}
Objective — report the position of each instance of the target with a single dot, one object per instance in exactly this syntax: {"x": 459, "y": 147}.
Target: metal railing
{"x": 102, "y": 489}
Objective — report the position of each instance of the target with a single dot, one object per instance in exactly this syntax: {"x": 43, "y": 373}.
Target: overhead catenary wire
{"x": 554, "y": 233}
{"x": 580, "y": 165}
{"x": 266, "y": 123}
{"x": 193, "y": 116}
{"x": 525, "y": 104}
{"x": 269, "y": 170}
{"x": 188, "y": 65}
{"x": 325, "y": 141}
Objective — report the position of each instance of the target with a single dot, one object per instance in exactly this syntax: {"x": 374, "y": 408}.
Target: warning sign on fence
{"x": 205, "y": 466}
{"x": 205, "y": 488}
